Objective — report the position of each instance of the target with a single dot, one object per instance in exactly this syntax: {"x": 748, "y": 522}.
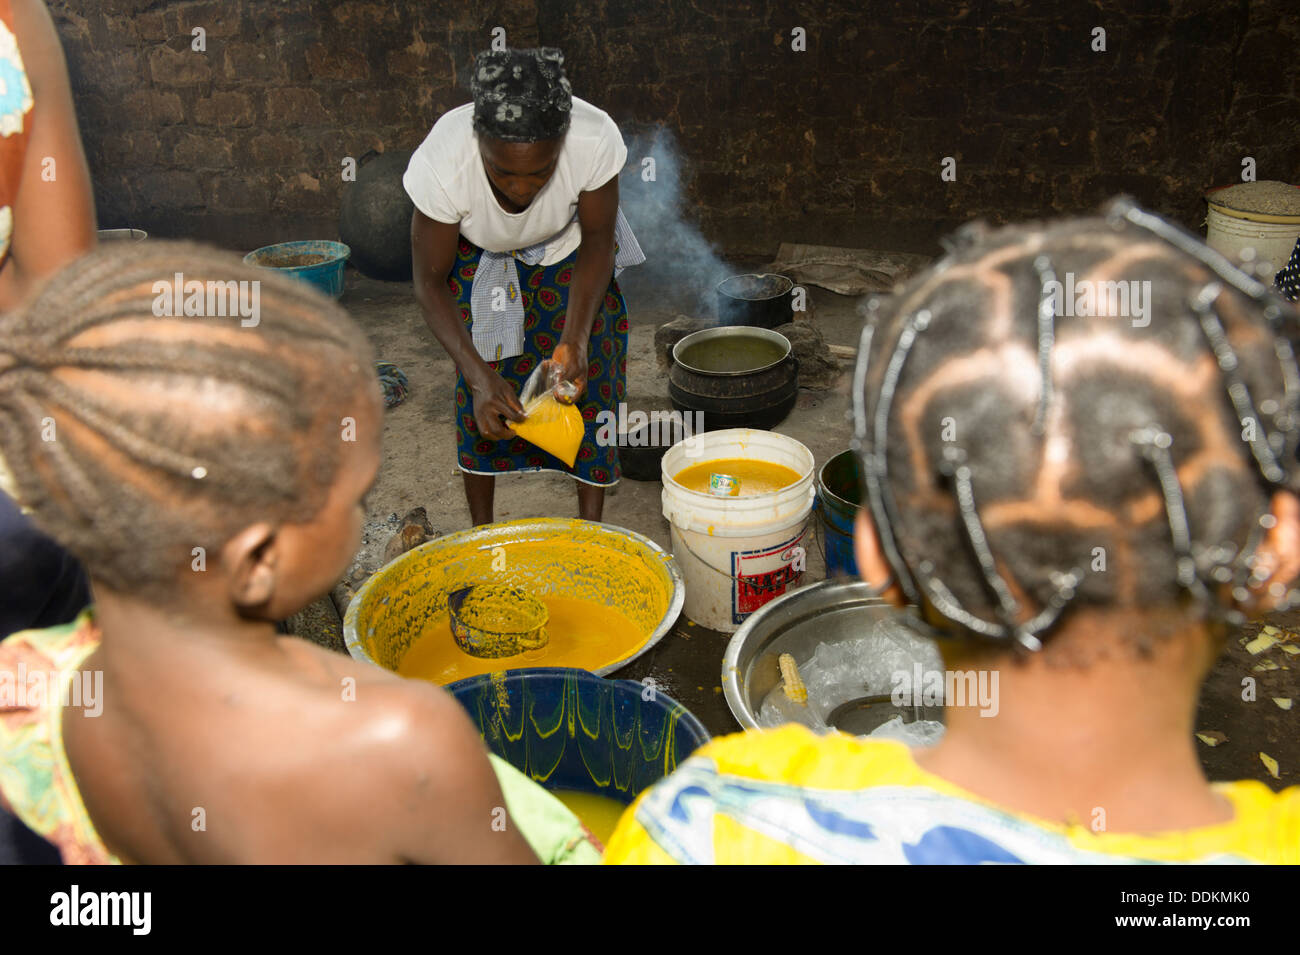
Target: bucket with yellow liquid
{"x": 738, "y": 502}
{"x": 610, "y": 596}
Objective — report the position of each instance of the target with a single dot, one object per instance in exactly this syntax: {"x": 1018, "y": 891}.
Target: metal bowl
{"x": 117, "y": 235}
{"x": 796, "y": 623}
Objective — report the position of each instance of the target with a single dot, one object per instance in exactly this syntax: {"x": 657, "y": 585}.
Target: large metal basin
{"x": 796, "y": 623}
{"x": 618, "y": 567}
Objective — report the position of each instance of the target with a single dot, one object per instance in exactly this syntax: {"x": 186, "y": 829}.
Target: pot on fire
{"x": 737, "y": 376}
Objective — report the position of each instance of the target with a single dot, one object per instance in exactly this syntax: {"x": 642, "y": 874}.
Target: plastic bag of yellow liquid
{"x": 552, "y": 426}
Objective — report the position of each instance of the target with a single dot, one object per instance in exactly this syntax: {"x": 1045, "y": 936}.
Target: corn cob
{"x": 792, "y": 682}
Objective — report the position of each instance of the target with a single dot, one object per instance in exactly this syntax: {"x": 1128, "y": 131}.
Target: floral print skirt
{"x": 545, "y": 290}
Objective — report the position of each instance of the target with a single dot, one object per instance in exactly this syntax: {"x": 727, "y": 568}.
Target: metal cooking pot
{"x": 693, "y": 351}
{"x": 737, "y": 376}
{"x": 760, "y": 300}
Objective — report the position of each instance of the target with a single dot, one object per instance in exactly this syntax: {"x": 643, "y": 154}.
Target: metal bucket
{"x": 839, "y": 498}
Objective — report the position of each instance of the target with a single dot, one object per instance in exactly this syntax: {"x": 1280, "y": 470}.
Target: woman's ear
{"x": 872, "y": 566}
{"x": 1278, "y": 556}
{"x": 252, "y": 559}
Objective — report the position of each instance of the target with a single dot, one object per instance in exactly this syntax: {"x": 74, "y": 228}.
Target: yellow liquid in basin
{"x": 599, "y": 814}
{"x": 756, "y": 477}
{"x": 582, "y": 634}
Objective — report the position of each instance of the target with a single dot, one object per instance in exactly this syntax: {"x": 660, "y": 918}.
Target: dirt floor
{"x": 420, "y": 469}
{"x": 419, "y": 439}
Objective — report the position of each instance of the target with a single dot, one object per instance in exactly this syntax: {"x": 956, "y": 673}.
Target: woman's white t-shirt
{"x": 446, "y": 181}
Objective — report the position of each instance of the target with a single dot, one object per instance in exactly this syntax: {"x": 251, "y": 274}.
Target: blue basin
{"x": 569, "y": 729}
{"x": 302, "y": 261}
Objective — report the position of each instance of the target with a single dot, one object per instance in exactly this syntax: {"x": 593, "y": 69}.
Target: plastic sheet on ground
{"x": 846, "y": 271}
{"x": 852, "y": 669}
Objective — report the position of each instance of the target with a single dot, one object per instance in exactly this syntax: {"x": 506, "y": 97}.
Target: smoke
{"x": 683, "y": 265}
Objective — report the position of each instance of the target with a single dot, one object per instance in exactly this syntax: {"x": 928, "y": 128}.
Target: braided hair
{"x": 134, "y": 436}
{"x": 1089, "y": 411}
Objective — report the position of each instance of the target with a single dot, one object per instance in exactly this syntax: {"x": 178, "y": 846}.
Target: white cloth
{"x": 496, "y": 308}
{"x": 446, "y": 181}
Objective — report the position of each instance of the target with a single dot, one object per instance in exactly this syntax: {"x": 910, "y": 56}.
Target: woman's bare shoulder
{"x": 379, "y": 767}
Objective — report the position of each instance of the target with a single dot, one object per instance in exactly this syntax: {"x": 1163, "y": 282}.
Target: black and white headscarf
{"x": 521, "y": 96}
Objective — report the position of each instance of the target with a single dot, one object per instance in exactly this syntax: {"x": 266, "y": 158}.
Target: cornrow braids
{"x": 1083, "y": 412}
{"x": 135, "y": 435}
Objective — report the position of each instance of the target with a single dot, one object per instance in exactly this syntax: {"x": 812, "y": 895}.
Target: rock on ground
{"x": 320, "y": 623}
{"x": 818, "y": 371}
{"x": 670, "y": 333}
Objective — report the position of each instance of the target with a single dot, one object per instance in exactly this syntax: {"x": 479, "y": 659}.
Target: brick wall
{"x": 841, "y": 143}
{"x": 243, "y": 144}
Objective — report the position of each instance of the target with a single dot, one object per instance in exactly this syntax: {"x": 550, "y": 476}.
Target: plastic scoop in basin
{"x": 494, "y": 620}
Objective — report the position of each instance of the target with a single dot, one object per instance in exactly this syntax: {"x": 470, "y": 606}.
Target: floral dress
{"x": 545, "y": 290}
{"x": 16, "y": 104}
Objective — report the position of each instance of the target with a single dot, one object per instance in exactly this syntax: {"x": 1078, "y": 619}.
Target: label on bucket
{"x": 757, "y": 582}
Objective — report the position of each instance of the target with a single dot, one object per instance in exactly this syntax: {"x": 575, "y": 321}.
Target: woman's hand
{"x": 570, "y": 360}
{"x": 494, "y": 399}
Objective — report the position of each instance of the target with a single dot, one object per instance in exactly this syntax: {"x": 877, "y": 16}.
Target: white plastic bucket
{"x": 1232, "y": 232}
{"x": 737, "y": 553}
